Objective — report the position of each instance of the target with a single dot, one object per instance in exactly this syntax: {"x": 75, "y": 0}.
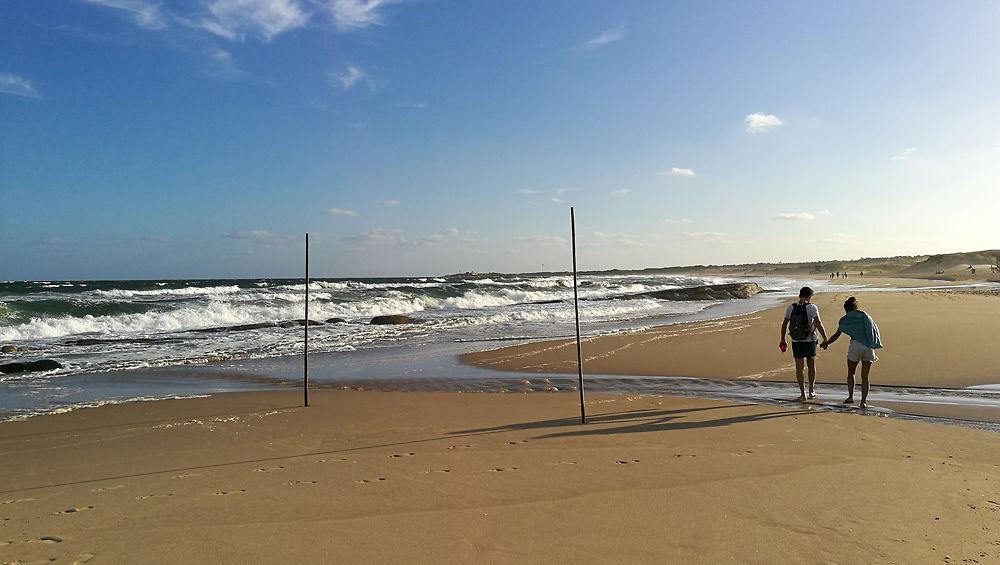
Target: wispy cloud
{"x": 711, "y": 237}
{"x": 607, "y": 36}
{"x": 259, "y": 237}
{"x": 759, "y": 123}
{"x": 234, "y": 19}
{"x": 339, "y": 212}
{"x": 386, "y": 237}
{"x": 350, "y": 78}
{"x": 621, "y": 191}
{"x": 680, "y": 221}
{"x": 13, "y": 84}
{"x": 528, "y": 191}
{"x": 357, "y": 14}
{"x": 795, "y": 217}
{"x": 381, "y": 237}
{"x": 619, "y": 239}
{"x": 544, "y": 240}
{"x": 388, "y": 202}
{"x": 904, "y": 154}
{"x": 146, "y": 14}
{"x": 677, "y": 172}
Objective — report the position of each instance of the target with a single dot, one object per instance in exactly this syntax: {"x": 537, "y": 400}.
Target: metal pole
{"x": 305, "y": 349}
{"x": 576, "y": 309}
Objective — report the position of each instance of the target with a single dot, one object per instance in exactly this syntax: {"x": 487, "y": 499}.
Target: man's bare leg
{"x": 851, "y": 366}
{"x": 799, "y": 376}
{"x": 812, "y": 377}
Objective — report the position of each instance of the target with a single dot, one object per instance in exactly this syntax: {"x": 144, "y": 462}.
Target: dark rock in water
{"x": 240, "y": 328}
{"x": 43, "y": 365}
{"x": 336, "y": 321}
{"x": 709, "y": 292}
{"x": 299, "y": 322}
{"x": 397, "y": 319}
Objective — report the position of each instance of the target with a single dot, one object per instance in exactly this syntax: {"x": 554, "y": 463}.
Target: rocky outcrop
{"x": 708, "y": 292}
{"x": 397, "y": 319}
{"x": 30, "y": 366}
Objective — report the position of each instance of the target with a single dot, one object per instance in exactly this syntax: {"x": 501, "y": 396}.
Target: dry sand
{"x": 372, "y": 477}
{"x": 369, "y": 477}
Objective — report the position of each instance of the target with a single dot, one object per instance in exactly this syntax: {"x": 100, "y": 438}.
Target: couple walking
{"x": 802, "y": 324}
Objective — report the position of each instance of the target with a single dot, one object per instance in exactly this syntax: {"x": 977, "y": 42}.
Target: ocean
{"x": 121, "y": 341}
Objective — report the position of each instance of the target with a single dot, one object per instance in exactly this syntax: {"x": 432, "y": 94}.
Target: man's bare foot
{"x": 812, "y": 395}
{"x": 801, "y": 398}
{"x": 849, "y": 401}
{"x": 863, "y": 405}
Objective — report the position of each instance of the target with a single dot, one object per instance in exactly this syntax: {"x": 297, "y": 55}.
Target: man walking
{"x": 802, "y": 324}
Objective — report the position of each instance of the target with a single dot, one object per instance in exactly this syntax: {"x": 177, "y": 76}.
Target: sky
{"x": 145, "y": 139}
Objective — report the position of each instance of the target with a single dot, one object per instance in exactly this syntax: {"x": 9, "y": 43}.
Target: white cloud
{"x": 146, "y": 14}
{"x": 13, "y": 84}
{"x": 711, "y": 237}
{"x": 233, "y": 19}
{"x": 350, "y": 78}
{"x": 544, "y": 240}
{"x": 388, "y": 202}
{"x": 677, "y": 172}
{"x": 557, "y": 200}
{"x": 758, "y": 123}
{"x": 357, "y": 14}
{"x": 339, "y": 212}
{"x": 619, "y": 239}
{"x": 527, "y": 191}
{"x": 607, "y": 36}
{"x": 621, "y": 191}
{"x": 796, "y": 217}
{"x": 680, "y": 221}
{"x": 904, "y": 154}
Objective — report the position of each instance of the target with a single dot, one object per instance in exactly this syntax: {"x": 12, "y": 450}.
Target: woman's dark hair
{"x": 851, "y": 304}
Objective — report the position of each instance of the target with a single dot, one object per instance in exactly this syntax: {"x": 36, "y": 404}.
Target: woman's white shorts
{"x": 857, "y": 352}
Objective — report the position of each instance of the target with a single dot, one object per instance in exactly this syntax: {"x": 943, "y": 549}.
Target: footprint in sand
{"x": 148, "y": 496}
{"x": 459, "y": 447}
{"x": 517, "y": 442}
{"x": 502, "y": 469}
{"x": 398, "y": 455}
{"x": 187, "y": 476}
{"x": 293, "y": 483}
{"x": 18, "y": 500}
{"x": 73, "y": 510}
{"x": 363, "y": 481}
{"x": 436, "y": 471}
{"x": 83, "y": 558}
{"x": 564, "y": 463}
{"x": 623, "y": 462}
{"x": 106, "y": 489}
{"x": 228, "y": 492}
{"x": 47, "y": 539}
{"x": 679, "y": 455}
{"x": 328, "y": 460}
{"x": 268, "y": 469}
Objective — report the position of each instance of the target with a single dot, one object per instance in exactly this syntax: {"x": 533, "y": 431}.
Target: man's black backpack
{"x": 799, "y": 325}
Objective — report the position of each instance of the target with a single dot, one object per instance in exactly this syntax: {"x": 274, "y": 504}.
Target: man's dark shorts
{"x": 803, "y": 349}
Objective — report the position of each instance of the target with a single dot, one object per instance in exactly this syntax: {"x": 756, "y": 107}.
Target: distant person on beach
{"x": 864, "y": 341}
{"x": 802, "y": 324}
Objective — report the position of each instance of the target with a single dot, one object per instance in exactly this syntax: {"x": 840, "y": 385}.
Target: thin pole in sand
{"x": 576, "y": 309}
{"x": 305, "y": 348}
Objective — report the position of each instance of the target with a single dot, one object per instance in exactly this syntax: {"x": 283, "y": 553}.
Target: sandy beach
{"x": 368, "y": 477}
{"x": 388, "y": 477}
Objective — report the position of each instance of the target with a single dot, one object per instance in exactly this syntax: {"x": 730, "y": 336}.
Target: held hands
{"x": 825, "y": 344}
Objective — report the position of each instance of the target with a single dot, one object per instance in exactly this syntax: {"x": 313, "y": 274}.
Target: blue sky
{"x": 203, "y": 138}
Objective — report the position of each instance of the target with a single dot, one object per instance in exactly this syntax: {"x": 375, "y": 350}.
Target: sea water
{"x": 144, "y": 340}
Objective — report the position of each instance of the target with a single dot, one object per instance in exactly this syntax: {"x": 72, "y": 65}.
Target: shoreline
{"x": 929, "y": 343}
